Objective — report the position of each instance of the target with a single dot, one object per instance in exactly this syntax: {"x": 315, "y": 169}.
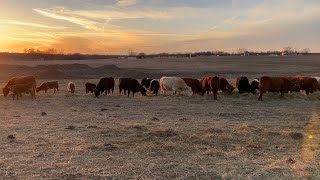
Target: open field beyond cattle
{"x": 79, "y": 136}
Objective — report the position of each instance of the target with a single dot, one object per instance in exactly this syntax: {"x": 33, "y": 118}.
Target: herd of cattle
{"x": 188, "y": 86}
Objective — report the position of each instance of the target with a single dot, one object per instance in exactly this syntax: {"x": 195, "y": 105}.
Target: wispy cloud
{"x": 125, "y": 3}
{"x": 30, "y": 24}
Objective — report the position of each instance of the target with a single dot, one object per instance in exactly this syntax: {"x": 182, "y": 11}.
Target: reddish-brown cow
{"x": 209, "y": 84}
{"x": 307, "y": 84}
{"x": 275, "y": 84}
{"x": 194, "y": 84}
{"x": 225, "y": 86}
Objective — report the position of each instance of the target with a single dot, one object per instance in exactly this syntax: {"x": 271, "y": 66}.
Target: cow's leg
{"x": 282, "y": 94}
{"x": 260, "y": 97}
{"x": 307, "y": 92}
{"x": 128, "y": 93}
{"x": 132, "y": 94}
{"x": 215, "y": 95}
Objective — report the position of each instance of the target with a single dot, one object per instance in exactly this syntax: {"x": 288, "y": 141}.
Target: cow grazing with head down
{"x": 194, "y": 84}
{"x": 19, "y": 80}
{"x": 275, "y": 84}
{"x": 105, "y": 85}
{"x": 71, "y": 87}
{"x": 151, "y": 84}
{"x": 210, "y": 84}
{"x": 175, "y": 84}
{"x": 90, "y": 87}
{"x": 146, "y": 82}
{"x": 307, "y": 84}
{"x": 45, "y": 86}
{"x": 225, "y": 86}
{"x": 131, "y": 85}
{"x": 22, "y": 88}
{"x": 243, "y": 85}
{"x": 155, "y": 86}
{"x": 254, "y": 85}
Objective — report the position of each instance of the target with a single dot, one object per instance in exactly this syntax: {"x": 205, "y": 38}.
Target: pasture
{"x": 79, "y": 136}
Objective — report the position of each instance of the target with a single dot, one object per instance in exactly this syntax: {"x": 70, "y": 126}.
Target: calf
{"x": 90, "y": 87}
{"x": 105, "y": 85}
{"x": 71, "y": 87}
{"x": 275, "y": 84}
{"x": 175, "y": 84}
{"x": 45, "y": 86}
{"x": 22, "y": 88}
{"x": 194, "y": 84}
{"x": 131, "y": 85}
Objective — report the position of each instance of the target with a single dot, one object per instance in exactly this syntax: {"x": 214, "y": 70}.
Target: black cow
{"x": 146, "y": 82}
{"x": 155, "y": 86}
{"x": 243, "y": 84}
{"x": 104, "y": 85}
{"x": 131, "y": 85}
{"x": 254, "y": 85}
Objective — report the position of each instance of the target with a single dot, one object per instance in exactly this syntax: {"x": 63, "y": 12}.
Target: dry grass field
{"x": 79, "y": 136}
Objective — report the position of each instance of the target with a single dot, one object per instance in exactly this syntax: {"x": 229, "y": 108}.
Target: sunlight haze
{"x": 117, "y": 27}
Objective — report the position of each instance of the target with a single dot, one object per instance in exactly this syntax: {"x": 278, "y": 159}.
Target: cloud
{"x": 36, "y": 25}
{"x": 125, "y": 3}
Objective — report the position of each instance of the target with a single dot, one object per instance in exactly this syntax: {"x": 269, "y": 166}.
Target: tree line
{"x": 54, "y": 54}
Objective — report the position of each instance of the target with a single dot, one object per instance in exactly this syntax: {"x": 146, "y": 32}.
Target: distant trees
{"x": 305, "y": 51}
{"x": 241, "y": 50}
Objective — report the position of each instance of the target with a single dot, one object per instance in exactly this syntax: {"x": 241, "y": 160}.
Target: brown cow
{"x": 45, "y": 86}
{"x": 275, "y": 84}
{"x": 22, "y": 88}
{"x": 131, "y": 85}
{"x": 194, "y": 84}
{"x": 307, "y": 84}
{"x": 209, "y": 84}
{"x": 19, "y": 80}
{"x": 225, "y": 86}
{"x": 90, "y": 87}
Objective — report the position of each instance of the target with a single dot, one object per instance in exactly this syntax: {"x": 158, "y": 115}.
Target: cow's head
{"x": 143, "y": 91}
{"x": 5, "y": 91}
{"x": 189, "y": 91}
{"x": 230, "y": 88}
{"x": 96, "y": 92}
{"x": 38, "y": 89}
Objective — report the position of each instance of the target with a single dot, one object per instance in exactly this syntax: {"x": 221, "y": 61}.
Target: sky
{"x": 154, "y": 26}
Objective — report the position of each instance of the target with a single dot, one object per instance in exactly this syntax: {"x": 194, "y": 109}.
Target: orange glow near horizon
{"x": 98, "y": 27}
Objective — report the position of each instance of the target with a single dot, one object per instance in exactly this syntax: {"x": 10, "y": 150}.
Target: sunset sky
{"x": 153, "y": 26}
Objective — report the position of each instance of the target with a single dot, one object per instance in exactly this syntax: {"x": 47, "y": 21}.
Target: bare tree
{"x": 288, "y": 49}
{"x": 305, "y": 51}
{"x": 131, "y": 53}
{"x": 241, "y": 50}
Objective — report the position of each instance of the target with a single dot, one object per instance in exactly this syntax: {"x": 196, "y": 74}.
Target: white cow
{"x": 175, "y": 84}
{"x": 71, "y": 87}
